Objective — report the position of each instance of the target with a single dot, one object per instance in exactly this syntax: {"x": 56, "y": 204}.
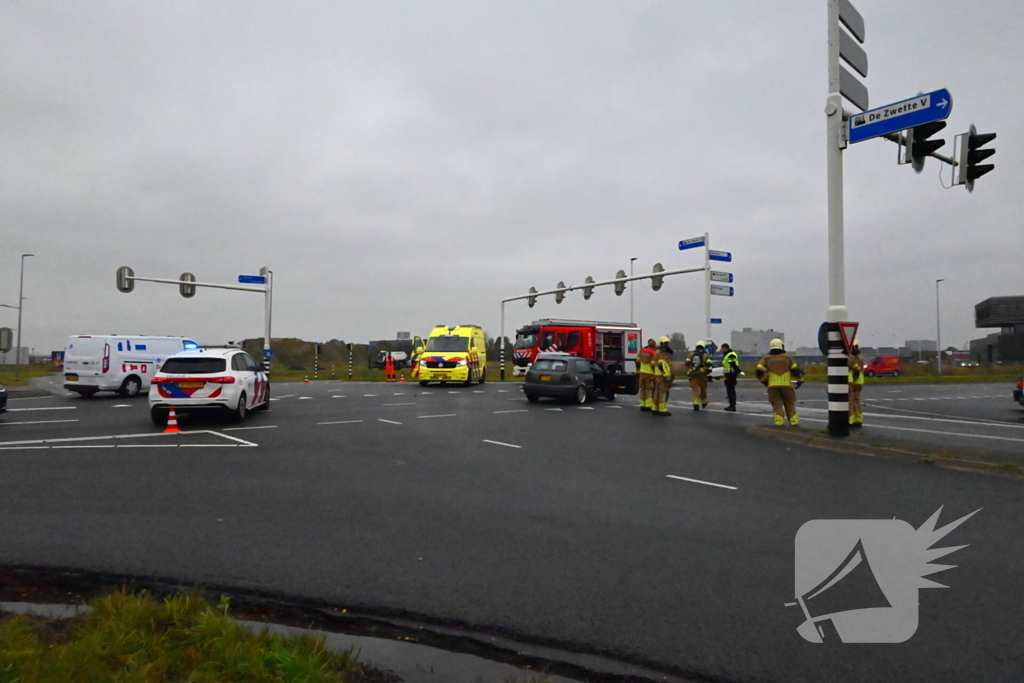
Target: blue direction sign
{"x": 252, "y": 279}
{"x": 691, "y": 243}
{"x": 716, "y": 321}
{"x": 933, "y": 106}
{"x": 719, "y": 255}
{"x": 722, "y": 290}
{"x": 268, "y": 354}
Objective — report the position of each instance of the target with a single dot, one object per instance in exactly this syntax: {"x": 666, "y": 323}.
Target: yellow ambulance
{"x": 454, "y": 354}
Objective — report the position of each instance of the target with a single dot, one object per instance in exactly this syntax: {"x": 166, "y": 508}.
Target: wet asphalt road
{"x": 551, "y": 521}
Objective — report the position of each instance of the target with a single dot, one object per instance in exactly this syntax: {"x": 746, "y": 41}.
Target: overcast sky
{"x": 403, "y": 164}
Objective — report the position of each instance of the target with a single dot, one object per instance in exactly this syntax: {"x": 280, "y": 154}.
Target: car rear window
{"x": 193, "y": 366}
{"x": 550, "y": 364}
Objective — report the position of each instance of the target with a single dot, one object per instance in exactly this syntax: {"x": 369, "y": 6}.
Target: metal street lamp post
{"x": 938, "y": 326}
{"x": 21, "y": 305}
{"x": 631, "y": 289}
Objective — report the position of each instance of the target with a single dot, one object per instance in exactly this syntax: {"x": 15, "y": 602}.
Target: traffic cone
{"x": 172, "y": 423}
{"x": 403, "y": 378}
{"x": 306, "y": 381}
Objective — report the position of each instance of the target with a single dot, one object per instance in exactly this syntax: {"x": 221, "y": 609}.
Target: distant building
{"x": 751, "y": 342}
{"x": 922, "y": 345}
{"x": 1006, "y": 313}
{"x": 10, "y": 359}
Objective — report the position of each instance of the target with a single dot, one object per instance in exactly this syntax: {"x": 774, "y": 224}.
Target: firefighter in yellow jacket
{"x": 645, "y": 359}
{"x": 663, "y": 376}
{"x": 855, "y": 377}
{"x": 775, "y": 371}
{"x": 698, "y": 368}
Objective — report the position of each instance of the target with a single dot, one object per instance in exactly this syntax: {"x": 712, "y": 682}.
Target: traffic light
{"x": 658, "y": 280}
{"x": 620, "y": 287}
{"x": 125, "y": 283}
{"x": 319, "y": 349}
{"x": 971, "y": 153}
{"x": 560, "y": 294}
{"x": 532, "y": 299}
{"x": 918, "y": 144}
{"x": 187, "y": 291}
{"x": 588, "y": 291}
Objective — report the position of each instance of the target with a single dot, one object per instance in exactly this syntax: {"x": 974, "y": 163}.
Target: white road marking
{"x": 337, "y": 396}
{"x": 399, "y": 404}
{"x": 502, "y": 391}
{"x": 147, "y": 445}
{"x": 333, "y": 390}
{"x": 400, "y": 394}
{"x": 35, "y": 422}
{"x": 496, "y": 412}
{"x": 424, "y": 417}
{"x": 121, "y": 405}
{"x": 343, "y": 422}
{"x": 233, "y": 438}
{"x": 94, "y": 445}
{"x": 499, "y": 443}
{"x": 616, "y": 407}
{"x": 275, "y": 399}
{"x": 286, "y": 396}
{"x": 305, "y": 398}
{"x": 477, "y": 391}
{"x": 36, "y": 398}
{"x": 120, "y": 436}
{"x": 24, "y": 448}
{"x": 25, "y": 410}
{"x": 931, "y": 431}
{"x": 706, "y": 483}
{"x": 209, "y": 445}
{"x": 390, "y": 422}
{"x": 453, "y": 392}
{"x": 558, "y": 410}
{"x": 238, "y": 429}
{"x": 368, "y": 395}
{"x": 584, "y": 408}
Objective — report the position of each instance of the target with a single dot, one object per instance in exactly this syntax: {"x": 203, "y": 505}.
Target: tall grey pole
{"x": 502, "y": 354}
{"x": 938, "y": 325}
{"x": 21, "y": 305}
{"x": 838, "y": 385}
{"x": 631, "y": 289}
{"x": 707, "y": 288}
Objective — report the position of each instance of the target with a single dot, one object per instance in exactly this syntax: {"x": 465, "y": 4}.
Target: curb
{"x": 923, "y": 456}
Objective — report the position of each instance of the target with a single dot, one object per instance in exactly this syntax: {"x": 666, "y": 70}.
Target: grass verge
{"x": 26, "y": 373}
{"x": 132, "y": 638}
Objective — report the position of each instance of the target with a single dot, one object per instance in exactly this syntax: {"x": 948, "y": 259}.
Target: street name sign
{"x": 719, "y": 255}
{"x": 721, "y": 290}
{"x": 252, "y": 279}
{"x": 933, "y": 106}
{"x": 716, "y": 321}
{"x": 719, "y": 276}
{"x": 691, "y": 243}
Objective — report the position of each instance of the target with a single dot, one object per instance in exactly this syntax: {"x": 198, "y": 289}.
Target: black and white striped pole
{"x": 350, "y": 361}
{"x": 838, "y": 384}
{"x": 316, "y": 360}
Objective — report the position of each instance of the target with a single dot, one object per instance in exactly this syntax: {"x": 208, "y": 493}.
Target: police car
{"x": 209, "y": 378}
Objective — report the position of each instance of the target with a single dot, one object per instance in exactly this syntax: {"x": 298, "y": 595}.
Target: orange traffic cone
{"x": 306, "y": 381}
{"x": 172, "y": 423}
{"x": 403, "y": 378}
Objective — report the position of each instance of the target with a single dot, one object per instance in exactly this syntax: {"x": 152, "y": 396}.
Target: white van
{"x": 118, "y": 363}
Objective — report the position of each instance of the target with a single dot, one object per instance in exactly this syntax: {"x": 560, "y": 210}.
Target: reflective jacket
{"x": 661, "y": 367}
{"x": 780, "y": 369}
{"x": 645, "y": 359}
{"x": 731, "y": 363}
{"x": 856, "y": 371}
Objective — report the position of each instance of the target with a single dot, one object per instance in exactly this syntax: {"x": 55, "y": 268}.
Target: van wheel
{"x": 131, "y": 387}
{"x": 159, "y": 416}
{"x": 483, "y": 377}
{"x": 895, "y": 373}
{"x": 869, "y": 373}
{"x": 238, "y": 414}
{"x": 424, "y": 382}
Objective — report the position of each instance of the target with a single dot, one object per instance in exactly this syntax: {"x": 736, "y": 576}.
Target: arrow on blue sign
{"x": 691, "y": 243}
{"x": 252, "y": 279}
{"x": 720, "y": 255}
{"x": 268, "y": 354}
{"x": 933, "y": 106}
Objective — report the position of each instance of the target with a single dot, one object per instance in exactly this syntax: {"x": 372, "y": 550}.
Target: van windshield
{"x": 448, "y": 343}
{"x": 193, "y": 366}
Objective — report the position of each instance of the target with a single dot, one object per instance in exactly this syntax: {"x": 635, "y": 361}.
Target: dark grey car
{"x": 567, "y": 377}
{"x": 3, "y": 400}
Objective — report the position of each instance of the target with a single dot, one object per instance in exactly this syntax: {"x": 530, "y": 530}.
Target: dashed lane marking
{"x": 502, "y": 391}
{"x": 305, "y": 398}
{"x": 390, "y": 422}
{"x": 285, "y": 396}
{"x": 342, "y": 422}
{"x": 478, "y": 391}
{"x": 34, "y": 422}
{"x": 705, "y": 483}
{"x": 559, "y": 410}
{"x": 25, "y": 410}
{"x": 615, "y": 407}
{"x": 121, "y": 405}
{"x": 400, "y": 394}
{"x": 69, "y": 442}
{"x": 496, "y": 412}
{"x": 424, "y": 417}
{"x": 411, "y": 403}
{"x": 499, "y": 443}
{"x": 239, "y": 429}
{"x": 368, "y": 395}
{"x": 337, "y": 396}
{"x": 584, "y": 408}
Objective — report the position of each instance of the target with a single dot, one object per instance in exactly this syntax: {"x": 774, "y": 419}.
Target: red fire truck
{"x": 614, "y": 345}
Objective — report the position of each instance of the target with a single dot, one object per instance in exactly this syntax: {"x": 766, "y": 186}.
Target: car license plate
{"x": 545, "y": 378}
{"x": 191, "y": 385}
{"x": 437, "y": 376}
{"x": 71, "y": 378}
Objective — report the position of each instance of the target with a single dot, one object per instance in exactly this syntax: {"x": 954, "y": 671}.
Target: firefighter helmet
{"x": 664, "y": 340}
{"x": 777, "y": 344}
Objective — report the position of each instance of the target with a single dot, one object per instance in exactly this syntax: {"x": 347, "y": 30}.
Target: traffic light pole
{"x": 838, "y": 386}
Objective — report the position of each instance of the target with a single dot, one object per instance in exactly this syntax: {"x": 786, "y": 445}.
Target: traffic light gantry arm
{"x": 901, "y": 139}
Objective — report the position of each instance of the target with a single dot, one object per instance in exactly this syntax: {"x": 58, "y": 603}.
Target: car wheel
{"x": 130, "y": 387}
{"x": 483, "y": 377}
{"x": 266, "y": 400}
{"x": 896, "y": 373}
{"x": 532, "y": 397}
{"x": 581, "y": 394}
{"x": 159, "y": 416}
{"x": 238, "y": 414}
{"x": 424, "y": 382}
{"x": 869, "y": 373}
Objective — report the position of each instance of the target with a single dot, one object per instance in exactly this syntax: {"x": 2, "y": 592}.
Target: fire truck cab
{"x": 614, "y": 345}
